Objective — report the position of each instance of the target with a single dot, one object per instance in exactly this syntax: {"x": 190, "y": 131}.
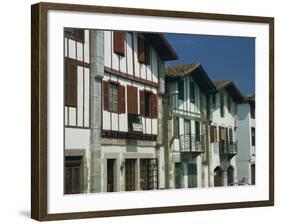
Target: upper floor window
{"x": 253, "y": 135}
{"x": 143, "y": 51}
{"x": 181, "y": 89}
{"x": 214, "y": 101}
{"x": 213, "y": 134}
{"x": 222, "y": 105}
{"x": 119, "y": 43}
{"x": 252, "y": 111}
{"x": 229, "y": 104}
{"x": 197, "y": 131}
{"x": 113, "y": 97}
{"x": 148, "y": 104}
{"x": 176, "y": 127}
{"x": 192, "y": 92}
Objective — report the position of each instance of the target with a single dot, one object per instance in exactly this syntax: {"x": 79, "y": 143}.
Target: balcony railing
{"x": 228, "y": 148}
{"x": 192, "y": 143}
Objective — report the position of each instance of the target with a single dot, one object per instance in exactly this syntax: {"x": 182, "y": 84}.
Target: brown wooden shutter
{"x": 132, "y": 96}
{"x": 70, "y": 88}
{"x": 141, "y": 50}
{"x": 141, "y": 102}
{"x": 118, "y": 42}
{"x": 121, "y": 99}
{"x": 105, "y": 95}
{"x": 79, "y": 35}
{"x": 154, "y": 106}
{"x": 215, "y": 134}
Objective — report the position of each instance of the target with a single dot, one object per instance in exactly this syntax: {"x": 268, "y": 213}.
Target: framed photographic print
{"x": 138, "y": 111}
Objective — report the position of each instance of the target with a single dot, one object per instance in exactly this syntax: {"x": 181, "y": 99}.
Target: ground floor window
{"x": 130, "y": 174}
{"x": 230, "y": 175}
{"x": 72, "y": 174}
{"x": 148, "y": 174}
{"x": 192, "y": 175}
{"x": 253, "y": 174}
{"x": 178, "y": 175}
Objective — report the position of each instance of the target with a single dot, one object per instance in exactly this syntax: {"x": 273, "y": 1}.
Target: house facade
{"x": 223, "y": 133}
{"x": 123, "y": 88}
{"x": 246, "y": 144}
{"x": 186, "y": 131}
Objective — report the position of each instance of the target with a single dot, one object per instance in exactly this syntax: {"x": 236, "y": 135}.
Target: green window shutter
{"x": 176, "y": 127}
{"x": 181, "y": 89}
{"x": 192, "y": 92}
{"x": 197, "y": 131}
{"x": 192, "y": 175}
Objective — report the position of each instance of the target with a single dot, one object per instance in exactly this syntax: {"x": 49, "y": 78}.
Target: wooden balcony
{"x": 190, "y": 143}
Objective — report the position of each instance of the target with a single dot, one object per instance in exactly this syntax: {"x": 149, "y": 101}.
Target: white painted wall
{"x": 129, "y": 63}
{"x": 119, "y": 122}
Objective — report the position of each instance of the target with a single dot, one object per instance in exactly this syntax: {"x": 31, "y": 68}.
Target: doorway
{"x": 111, "y": 175}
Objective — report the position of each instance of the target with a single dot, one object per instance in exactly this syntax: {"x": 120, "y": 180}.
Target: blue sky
{"x": 222, "y": 57}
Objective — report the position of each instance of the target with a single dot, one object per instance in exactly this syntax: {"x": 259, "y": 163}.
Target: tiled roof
{"x": 180, "y": 70}
{"x": 220, "y": 84}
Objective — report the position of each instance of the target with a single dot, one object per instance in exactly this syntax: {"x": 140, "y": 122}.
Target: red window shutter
{"x": 70, "y": 85}
{"x": 105, "y": 95}
{"x": 118, "y": 42}
{"x": 141, "y": 50}
{"x": 154, "y": 106}
{"x": 141, "y": 102}
{"x": 132, "y": 103}
{"x": 121, "y": 99}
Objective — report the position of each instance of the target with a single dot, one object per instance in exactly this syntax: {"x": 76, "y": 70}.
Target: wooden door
{"x": 144, "y": 174}
{"x": 110, "y": 175}
{"x": 192, "y": 175}
{"x": 230, "y": 175}
{"x": 217, "y": 177}
{"x": 130, "y": 174}
{"x": 72, "y": 175}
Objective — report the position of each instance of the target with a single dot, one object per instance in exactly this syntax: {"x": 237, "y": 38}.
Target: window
{"x": 192, "y": 175}
{"x": 143, "y": 51}
{"x": 70, "y": 84}
{"x": 192, "y": 92}
{"x": 197, "y": 131}
{"x": 72, "y": 174}
{"x": 252, "y": 110}
{"x": 148, "y": 104}
{"x": 229, "y": 104}
{"x": 213, "y": 134}
{"x": 113, "y": 97}
{"x": 222, "y": 105}
{"x": 214, "y": 96}
{"x": 148, "y": 174}
{"x": 253, "y": 136}
{"x": 178, "y": 175}
{"x": 181, "y": 89}
{"x": 176, "y": 127}
{"x": 118, "y": 42}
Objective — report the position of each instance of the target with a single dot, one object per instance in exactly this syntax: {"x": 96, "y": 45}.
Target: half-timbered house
{"x": 186, "y": 119}
{"x": 76, "y": 110}
{"x": 223, "y": 133}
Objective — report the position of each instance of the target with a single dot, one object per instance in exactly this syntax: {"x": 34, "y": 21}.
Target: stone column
{"x": 96, "y": 75}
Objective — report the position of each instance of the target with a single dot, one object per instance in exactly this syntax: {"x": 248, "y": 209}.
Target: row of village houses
{"x": 132, "y": 124}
